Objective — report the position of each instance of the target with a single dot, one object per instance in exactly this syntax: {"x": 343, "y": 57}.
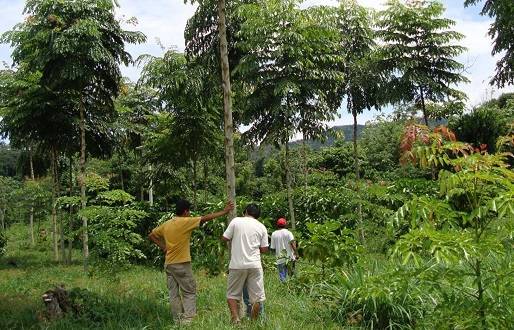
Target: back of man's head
{"x": 253, "y": 211}
{"x": 182, "y": 206}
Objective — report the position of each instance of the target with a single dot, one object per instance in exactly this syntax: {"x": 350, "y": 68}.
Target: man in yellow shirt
{"x": 173, "y": 237}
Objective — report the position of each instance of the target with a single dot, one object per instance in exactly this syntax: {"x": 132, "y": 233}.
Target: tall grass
{"x": 133, "y": 299}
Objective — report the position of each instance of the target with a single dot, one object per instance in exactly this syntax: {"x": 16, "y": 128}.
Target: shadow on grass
{"x": 91, "y": 311}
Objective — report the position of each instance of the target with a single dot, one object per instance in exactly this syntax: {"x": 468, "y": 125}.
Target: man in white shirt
{"x": 249, "y": 238}
{"x": 282, "y": 241}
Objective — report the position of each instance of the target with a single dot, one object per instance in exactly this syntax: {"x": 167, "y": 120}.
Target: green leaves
{"x": 289, "y": 70}
{"x": 419, "y": 53}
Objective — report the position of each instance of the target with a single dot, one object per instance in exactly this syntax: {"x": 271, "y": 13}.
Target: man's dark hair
{"x": 182, "y": 206}
{"x": 253, "y": 211}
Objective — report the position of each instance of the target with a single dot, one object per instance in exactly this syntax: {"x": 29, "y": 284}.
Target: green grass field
{"x": 133, "y": 299}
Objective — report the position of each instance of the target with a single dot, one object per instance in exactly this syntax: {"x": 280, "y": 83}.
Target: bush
{"x": 380, "y": 299}
{"x": 112, "y": 233}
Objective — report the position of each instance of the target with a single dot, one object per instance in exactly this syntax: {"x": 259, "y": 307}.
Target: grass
{"x": 133, "y": 299}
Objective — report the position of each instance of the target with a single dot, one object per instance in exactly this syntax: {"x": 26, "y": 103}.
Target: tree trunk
{"x": 31, "y": 214}
{"x": 423, "y": 106}
{"x": 54, "y": 210}
{"x": 61, "y": 220}
{"x": 82, "y": 183}
{"x": 70, "y": 222}
{"x": 2, "y": 218}
{"x": 150, "y": 188}
{"x": 227, "y": 107}
{"x": 289, "y": 189}
{"x": 304, "y": 163}
{"x": 121, "y": 180}
{"x": 194, "y": 182}
{"x": 357, "y": 167}
{"x": 425, "y": 118}
{"x": 205, "y": 180}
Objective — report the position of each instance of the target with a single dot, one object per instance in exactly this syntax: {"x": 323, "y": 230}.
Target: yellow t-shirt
{"x": 176, "y": 233}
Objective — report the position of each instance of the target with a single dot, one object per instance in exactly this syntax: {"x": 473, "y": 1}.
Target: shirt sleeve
{"x": 229, "y": 232}
{"x": 264, "y": 238}
{"x": 193, "y": 223}
{"x": 291, "y": 237}
{"x": 159, "y": 231}
{"x": 272, "y": 246}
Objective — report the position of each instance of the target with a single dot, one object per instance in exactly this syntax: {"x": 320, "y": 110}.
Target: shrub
{"x": 380, "y": 299}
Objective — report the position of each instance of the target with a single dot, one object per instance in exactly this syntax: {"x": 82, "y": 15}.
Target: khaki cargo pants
{"x": 182, "y": 290}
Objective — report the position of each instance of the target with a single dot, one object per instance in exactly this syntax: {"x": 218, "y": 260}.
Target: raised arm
{"x": 158, "y": 241}
{"x": 225, "y": 211}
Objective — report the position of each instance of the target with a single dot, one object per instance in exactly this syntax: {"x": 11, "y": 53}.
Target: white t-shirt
{"x": 247, "y": 235}
{"x": 280, "y": 241}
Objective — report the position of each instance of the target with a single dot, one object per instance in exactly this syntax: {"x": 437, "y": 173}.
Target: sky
{"x": 163, "y": 22}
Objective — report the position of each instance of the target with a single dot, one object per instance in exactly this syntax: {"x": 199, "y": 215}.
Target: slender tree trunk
{"x": 289, "y": 189}
{"x": 2, "y": 218}
{"x": 425, "y": 118}
{"x": 423, "y": 106}
{"x": 31, "y": 214}
{"x": 304, "y": 157}
{"x": 227, "y": 107}
{"x": 70, "y": 222}
{"x": 150, "y": 189}
{"x": 194, "y": 184}
{"x": 357, "y": 167}
{"x": 61, "y": 220}
{"x": 54, "y": 210}
{"x": 205, "y": 180}
{"x": 82, "y": 184}
{"x": 121, "y": 179}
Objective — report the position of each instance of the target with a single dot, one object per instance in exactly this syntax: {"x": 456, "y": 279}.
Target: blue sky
{"x": 165, "y": 20}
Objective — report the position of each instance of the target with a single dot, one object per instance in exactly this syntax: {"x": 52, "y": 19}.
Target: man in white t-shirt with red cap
{"x": 284, "y": 244}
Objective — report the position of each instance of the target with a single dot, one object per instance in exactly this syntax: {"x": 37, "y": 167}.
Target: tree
{"x": 290, "y": 73}
{"x": 185, "y": 96}
{"x": 502, "y": 32}
{"x": 77, "y": 46}
{"x": 192, "y": 36}
{"x": 419, "y": 53}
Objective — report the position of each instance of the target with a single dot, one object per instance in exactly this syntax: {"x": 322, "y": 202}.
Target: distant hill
{"x": 332, "y": 135}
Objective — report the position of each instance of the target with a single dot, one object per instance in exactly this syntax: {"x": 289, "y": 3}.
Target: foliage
{"x": 381, "y": 299}
{"x": 419, "y": 53}
{"x": 289, "y": 69}
{"x": 501, "y": 31}
{"x": 483, "y": 125}
{"x": 330, "y": 245}
{"x": 465, "y": 232}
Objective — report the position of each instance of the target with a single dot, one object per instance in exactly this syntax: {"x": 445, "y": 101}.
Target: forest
{"x": 404, "y": 222}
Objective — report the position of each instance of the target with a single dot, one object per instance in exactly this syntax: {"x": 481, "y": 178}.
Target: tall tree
{"x": 200, "y": 34}
{"x": 502, "y": 32}
{"x": 419, "y": 53}
{"x": 362, "y": 83}
{"x": 290, "y": 72}
{"x": 78, "y": 46}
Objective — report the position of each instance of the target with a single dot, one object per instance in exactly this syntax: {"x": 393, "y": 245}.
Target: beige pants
{"x": 252, "y": 278}
{"x": 182, "y": 289}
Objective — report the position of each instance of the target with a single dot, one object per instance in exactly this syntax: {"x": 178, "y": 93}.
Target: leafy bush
{"x": 378, "y": 299}
{"x": 330, "y": 245}
{"x": 112, "y": 233}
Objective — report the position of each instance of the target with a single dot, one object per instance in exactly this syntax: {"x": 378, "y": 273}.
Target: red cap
{"x": 281, "y": 222}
